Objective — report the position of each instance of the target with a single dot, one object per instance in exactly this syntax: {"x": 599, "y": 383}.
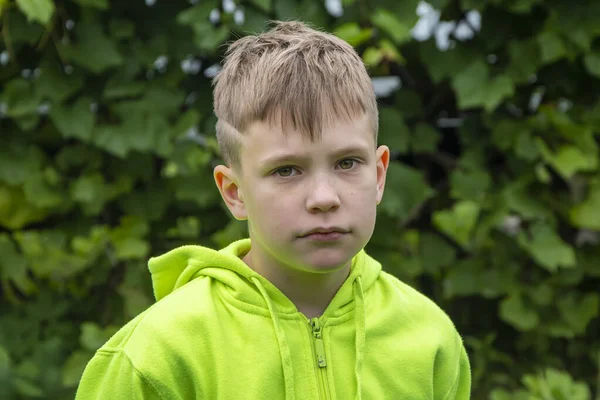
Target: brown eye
{"x": 347, "y": 163}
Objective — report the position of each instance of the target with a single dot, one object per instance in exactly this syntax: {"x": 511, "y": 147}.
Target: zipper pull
{"x": 320, "y": 348}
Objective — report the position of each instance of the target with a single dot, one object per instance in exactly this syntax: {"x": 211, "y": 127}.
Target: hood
{"x": 179, "y": 266}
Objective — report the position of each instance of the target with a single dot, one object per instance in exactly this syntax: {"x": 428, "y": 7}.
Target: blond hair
{"x": 293, "y": 75}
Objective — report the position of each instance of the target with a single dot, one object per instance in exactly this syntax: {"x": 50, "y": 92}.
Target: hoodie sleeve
{"x": 111, "y": 375}
{"x": 462, "y": 384}
{"x": 452, "y": 372}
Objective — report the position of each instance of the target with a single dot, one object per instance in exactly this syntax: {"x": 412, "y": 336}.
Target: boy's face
{"x": 288, "y": 187}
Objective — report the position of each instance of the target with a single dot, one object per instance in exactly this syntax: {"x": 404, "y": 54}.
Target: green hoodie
{"x": 221, "y": 331}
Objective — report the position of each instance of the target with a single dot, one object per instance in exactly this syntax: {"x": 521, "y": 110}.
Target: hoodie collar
{"x": 181, "y": 265}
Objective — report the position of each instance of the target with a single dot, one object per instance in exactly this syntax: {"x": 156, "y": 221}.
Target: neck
{"x": 311, "y": 293}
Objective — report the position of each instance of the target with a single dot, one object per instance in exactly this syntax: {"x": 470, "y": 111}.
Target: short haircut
{"x": 299, "y": 77}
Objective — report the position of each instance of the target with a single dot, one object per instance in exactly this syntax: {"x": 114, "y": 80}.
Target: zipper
{"x": 320, "y": 358}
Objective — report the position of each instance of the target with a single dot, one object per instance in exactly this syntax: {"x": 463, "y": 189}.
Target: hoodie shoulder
{"x": 412, "y": 305}
{"x": 162, "y": 318}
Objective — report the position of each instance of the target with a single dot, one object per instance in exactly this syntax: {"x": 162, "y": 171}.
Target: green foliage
{"x": 107, "y": 146}
{"x": 550, "y": 385}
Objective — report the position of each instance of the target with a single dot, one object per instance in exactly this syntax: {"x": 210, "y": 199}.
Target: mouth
{"x": 324, "y": 234}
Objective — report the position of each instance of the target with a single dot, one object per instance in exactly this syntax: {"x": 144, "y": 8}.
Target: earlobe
{"x": 231, "y": 193}
{"x": 383, "y": 161}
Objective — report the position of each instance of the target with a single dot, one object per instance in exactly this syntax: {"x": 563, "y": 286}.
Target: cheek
{"x": 273, "y": 211}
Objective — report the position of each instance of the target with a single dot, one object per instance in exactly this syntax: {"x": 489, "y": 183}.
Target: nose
{"x": 322, "y": 195}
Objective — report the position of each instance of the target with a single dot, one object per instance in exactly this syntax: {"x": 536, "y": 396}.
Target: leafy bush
{"x": 492, "y": 206}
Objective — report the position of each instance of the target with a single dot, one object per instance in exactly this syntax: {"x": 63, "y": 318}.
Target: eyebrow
{"x": 286, "y": 157}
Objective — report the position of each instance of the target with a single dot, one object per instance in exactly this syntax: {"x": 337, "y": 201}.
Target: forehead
{"x": 262, "y": 140}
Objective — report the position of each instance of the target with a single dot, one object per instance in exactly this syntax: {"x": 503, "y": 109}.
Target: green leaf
{"x": 435, "y": 252}
{"x": 19, "y": 162}
{"x": 498, "y": 89}
{"x": 93, "y": 50}
{"x": 505, "y": 132}
{"x": 54, "y": 84}
{"x": 76, "y": 120}
{"x": 136, "y": 301}
{"x": 523, "y": 6}
{"x": 149, "y": 203}
{"x": 551, "y": 46}
{"x": 13, "y": 266}
{"x": 406, "y": 190}
{"x": 389, "y": 23}
{"x": 206, "y": 36}
{"x": 501, "y": 394}
{"x": 474, "y": 88}
{"x": 264, "y": 5}
{"x": 197, "y": 188}
{"x": 128, "y": 238}
{"x": 525, "y": 59}
{"x": 15, "y": 211}
{"x": 48, "y": 254}
{"x": 458, "y": 222}
{"x": 5, "y": 367}
{"x": 409, "y": 102}
{"x": 309, "y": 11}
{"x": 209, "y": 37}
{"x": 372, "y": 57}
{"x": 514, "y": 311}
{"x": 390, "y": 51}
{"x": 198, "y": 14}
{"x": 520, "y": 200}
{"x": 92, "y": 191}
{"x": 586, "y": 215}
{"x": 568, "y": 160}
{"x": 116, "y": 89}
{"x": 526, "y": 147}
{"x": 156, "y": 97}
{"x": 121, "y": 28}
{"x": 468, "y": 184}
{"x": 462, "y": 280}
{"x": 37, "y": 10}
{"x": 542, "y": 173}
{"x": 255, "y": 21}
{"x": 592, "y": 63}
{"x": 26, "y": 388}
{"x": 43, "y": 191}
{"x": 562, "y": 385}
{"x": 393, "y": 132}
{"x": 89, "y": 190}
{"x": 20, "y": 98}
{"x": 93, "y": 337}
{"x": 541, "y": 294}
{"x": 234, "y": 230}
{"x": 445, "y": 64}
{"x": 99, "y": 4}
{"x": 185, "y": 122}
{"x": 21, "y": 30}
{"x": 352, "y": 33}
{"x": 546, "y": 247}
{"x": 425, "y": 138}
{"x": 140, "y": 131}
{"x": 74, "y": 366}
{"x": 579, "y": 310}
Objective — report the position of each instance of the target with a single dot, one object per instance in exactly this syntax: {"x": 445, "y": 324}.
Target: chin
{"x": 325, "y": 264}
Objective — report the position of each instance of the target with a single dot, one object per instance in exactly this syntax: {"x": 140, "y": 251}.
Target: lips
{"x": 324, "y": 231}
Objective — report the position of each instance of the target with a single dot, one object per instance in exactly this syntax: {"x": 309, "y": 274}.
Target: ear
{"x": 226, "y": 179}
{"x": 383, "y": 161}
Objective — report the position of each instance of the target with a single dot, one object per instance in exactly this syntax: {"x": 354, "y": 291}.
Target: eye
{"x": 285, "y": 171}
{"x": 347, "y": 163}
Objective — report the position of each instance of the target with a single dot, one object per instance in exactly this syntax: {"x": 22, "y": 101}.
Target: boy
{"x": 298, "y": 310}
